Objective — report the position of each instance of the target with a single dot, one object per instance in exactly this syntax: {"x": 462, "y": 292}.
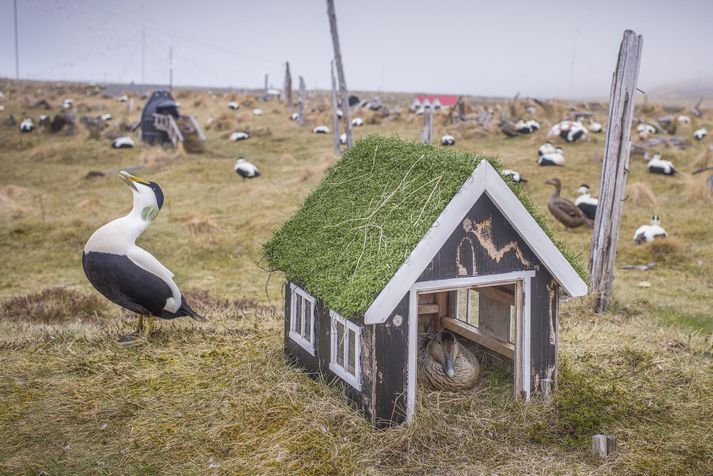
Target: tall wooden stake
{"x": 303, "y": 98}
{"x": 427, "y": 123}
{"x": 287, "y": 87}
{"x": 340, "y": 72}
{"x": 266, "y": 78}
{"x": 614, "y": 168}
{"x": 335, "y": 117}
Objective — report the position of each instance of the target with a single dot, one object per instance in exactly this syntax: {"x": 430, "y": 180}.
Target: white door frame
{"x": 522, "y": 346}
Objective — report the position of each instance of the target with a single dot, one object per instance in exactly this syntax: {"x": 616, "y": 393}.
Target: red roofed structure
{"x": 434, "y": 100}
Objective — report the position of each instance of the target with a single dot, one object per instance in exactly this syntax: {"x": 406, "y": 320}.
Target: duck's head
{"x": 583, "y": 189}
{"x": 148, "y": 196}
{"x": 655, "y": 220}
{"x": 554, "y": 181}
{"x": 444, "y": 348}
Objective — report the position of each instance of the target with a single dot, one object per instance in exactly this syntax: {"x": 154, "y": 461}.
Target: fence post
{"x": 605, "y": 235}
{"x": 340, "y": 72}
{"x": 427, "y": 121}
{"x": 335, "y": 117}
{"x": 287, "y": 87}
{"x": 303, "y": 98}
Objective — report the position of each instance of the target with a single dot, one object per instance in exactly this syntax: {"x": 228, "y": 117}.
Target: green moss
{"x": 362, "y": 221}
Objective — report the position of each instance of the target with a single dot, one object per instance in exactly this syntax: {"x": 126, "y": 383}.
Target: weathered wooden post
{"x": 266, "y": 78}
{"x": 340, "y": 72}
{"x": 614, "y": 168}
{"x": 427, "y": 122}
{"x": 287, "y": 87}
{"x": 603, "y": 445}
{"x": 303, "y": 98}
{"x": 335, "y": 116}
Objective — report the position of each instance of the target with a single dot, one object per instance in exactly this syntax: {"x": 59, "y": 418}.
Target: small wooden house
{"x": 400, "y": 238}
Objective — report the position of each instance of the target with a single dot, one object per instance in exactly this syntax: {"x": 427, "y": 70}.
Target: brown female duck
{"x": 444, "y": 364}
{"x": 565, "y": 211}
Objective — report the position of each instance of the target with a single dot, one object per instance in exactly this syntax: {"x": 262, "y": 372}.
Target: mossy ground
{"x": 219, "y": 396}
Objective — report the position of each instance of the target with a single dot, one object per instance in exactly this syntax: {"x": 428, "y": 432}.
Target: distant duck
{"x": 44, "y": 120}
{"x": 340, "y": 114}
{"x": 233, "y": 105}
{"x": 546, "y": 148}
{"x": 357, "y": 122}
{"x": 595, "y": 127}
{"x": 246, "y": 169}
{"x": 125, "y": 142}
{"x": 106, "y": 116}
{"x": 527, "y": 127}
{"x": 571, "y": 131}
{"x": 238, "y": 136}
{"x": 257, "y": 112}
{"x": 128, "y": 275}
{"x": 514, "y": 176}
{"x": 566, "y": 212}
{"x": 343, "y": 138}
{"x": 448, "y": 140}
{"x": 27, "y": 125}
{"x": 684, "y": 119}
{"x": 68, "y": 103}
{"x": 445, "y": 364}
{"x": 645, "y": 129}
{"x": 586, "y": 202}
{"x": 658, "y": 166}
{"x": 699, "y": 134}
{"x": 321, "y": 130}
{"x": 650, "y": 232}
{"x": 122, "y": 98}
{"x": 552, "y": 158}
{"x": 294, "y": 116}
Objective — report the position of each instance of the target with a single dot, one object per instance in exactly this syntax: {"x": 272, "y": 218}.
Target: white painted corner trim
{"x": 484, "y": 179}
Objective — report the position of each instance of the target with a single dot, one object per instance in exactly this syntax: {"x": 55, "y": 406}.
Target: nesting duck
{"x": 556, "y": 157}
{"x": 233, "y": 105}
{"x": 659, "y": 166}
{"x": 596, "y": 127}
{"x": 246, "y": 169}
{"x": 650, "y": 232}
{"x": 566, "y": 212}
{"x": 321, "y": 130}
{"x": 357, "y": 122}
{"x": 239, "y": 135}
{"x": 128, "y": 275}
{"x": 444, "y": 364}
{"x": 514, "y": 176}
{"x": 527, "y": 127}
{"x": 699, "y": 134}
{"x": 571, "y": 131}
{"x": 546, "y": 148}
{"x": 448, "y": 140}
{"x": 125, "y": 142}
{"x": 27, "y": 125}
{"x": 586, "y": 202}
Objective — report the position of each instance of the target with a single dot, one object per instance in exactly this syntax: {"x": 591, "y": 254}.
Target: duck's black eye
{"x": 158, "y": 192}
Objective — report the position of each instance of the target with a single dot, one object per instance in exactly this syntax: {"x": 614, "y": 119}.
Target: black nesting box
{"x": 160, "y": 102}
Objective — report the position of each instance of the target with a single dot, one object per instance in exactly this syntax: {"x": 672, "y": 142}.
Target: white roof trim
{"x": 484, "y": 179}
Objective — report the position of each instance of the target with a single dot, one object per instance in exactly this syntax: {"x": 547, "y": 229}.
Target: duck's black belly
{"x": 123, "y": 282}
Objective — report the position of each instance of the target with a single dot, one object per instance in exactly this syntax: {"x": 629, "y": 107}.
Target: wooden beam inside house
{"x": 500, "y": 293}
{"x": 503, "y": 348}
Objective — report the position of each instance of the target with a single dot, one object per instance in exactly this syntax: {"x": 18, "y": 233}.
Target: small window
{"x": 467, "y": 308}
{"x": 345, "y": 358}
{"x": 302, "y": 319}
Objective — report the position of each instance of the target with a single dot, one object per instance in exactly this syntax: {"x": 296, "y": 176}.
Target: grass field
{"x": 218, "y": 397}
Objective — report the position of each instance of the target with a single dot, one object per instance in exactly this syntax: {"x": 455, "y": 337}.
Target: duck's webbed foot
{"x": 136, "y": 338}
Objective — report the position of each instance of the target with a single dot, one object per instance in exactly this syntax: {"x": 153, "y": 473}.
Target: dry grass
{"x": 219, "y": 396}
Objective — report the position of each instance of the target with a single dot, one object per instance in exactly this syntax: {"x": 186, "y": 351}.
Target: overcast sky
{"x": 539, "y": 48}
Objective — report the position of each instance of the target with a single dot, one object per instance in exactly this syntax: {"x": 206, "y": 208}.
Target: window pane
{"x": 298, "y": 314}
{"x": 473, "y": 303}
{"x": 307, "y": 334}
{"x": 352, "y": 351}
{"x": 462, "y": 305}
{"x": 340, "y": 343}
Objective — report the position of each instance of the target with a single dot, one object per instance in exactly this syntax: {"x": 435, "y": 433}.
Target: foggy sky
{"x": 468, "y": 47}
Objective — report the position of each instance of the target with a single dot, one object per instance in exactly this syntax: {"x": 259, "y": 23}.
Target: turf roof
{"x": 356, "y": 228}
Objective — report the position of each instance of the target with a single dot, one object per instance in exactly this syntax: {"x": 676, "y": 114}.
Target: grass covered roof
{"x": 357, "y": 227}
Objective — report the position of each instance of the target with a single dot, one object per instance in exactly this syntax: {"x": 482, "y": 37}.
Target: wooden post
{"x": 303, "y": 98}
{"x": 287, "y": 87}
{"x": 426, "y": 135}
{"x": 335, "y": 117}
{"x": 613, "y": 180}
{"x": 603, "y": 445}
{"x": 340, "y": 72}
{"x": 266, "y": 77}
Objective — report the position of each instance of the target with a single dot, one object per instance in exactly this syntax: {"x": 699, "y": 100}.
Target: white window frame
{"x": 307, "y": 345}
{"x": 353, "y": 380}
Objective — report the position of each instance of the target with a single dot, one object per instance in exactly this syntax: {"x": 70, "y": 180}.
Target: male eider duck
{"x": 125, "y": 142}
{"x": 684, "y": 119}
{"x": 699, "y": 134}
{"x": 321, "y": 130}
{"x": 586, "y": 202}
{"x": 448, "y": 140}
{"x": 658, "y": 166}
{"x": 546, "y": 148}
{"x": 294, "y": 116}
{"x": 122, "y": 98}
{"x": 106, "y": 116}
{"x": 445, "y": 364}
{"x": 357, "y": 122}
{"x": 246, "y": 169}
{"x": 553, "y": 158}
{"x": 566, "y": 212}
{"x": 596, "y": 127}
{"x": 343, "y": 138}
{"x": 68, "y": 103}
{"x": 650, "y": 232}
{"x": 527, "y": 127}
{"x": 128, "y": 275}
{"x": 233, "y": 105}
{"x": 571, "y": 131}
{"x": 238, "y": 136}
{"x": 645, "y": 129}
{"x": 514, "y": 176}
{"x": 27, "y": 125}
